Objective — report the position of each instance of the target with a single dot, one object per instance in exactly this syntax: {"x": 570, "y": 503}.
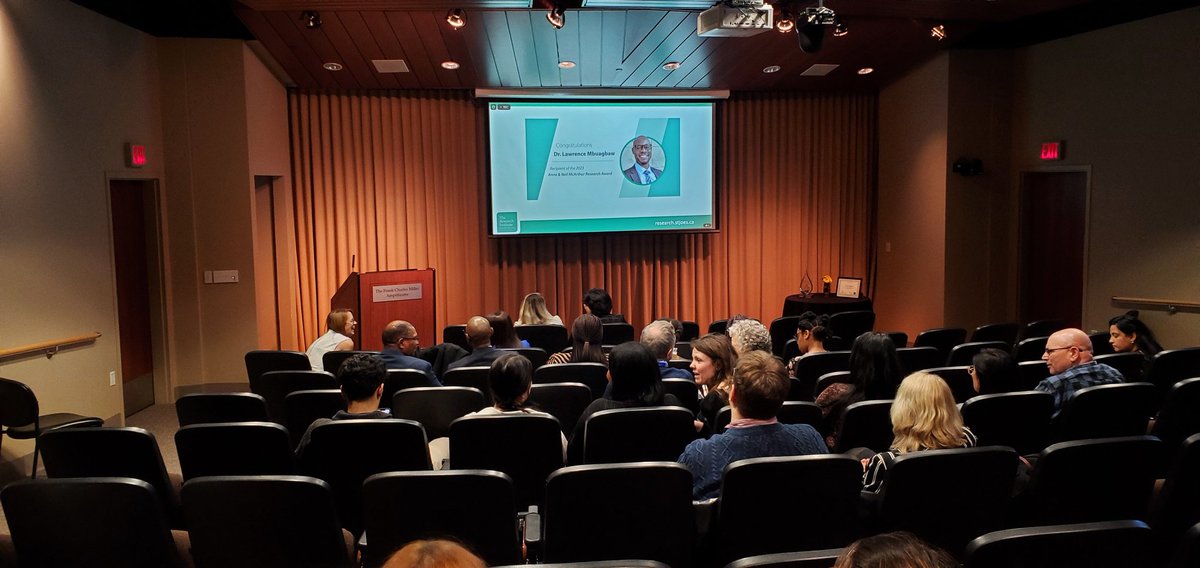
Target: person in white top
{"x": 341, "y": 325}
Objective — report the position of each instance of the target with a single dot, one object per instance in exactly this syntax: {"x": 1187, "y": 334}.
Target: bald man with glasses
{"x": 1069, "y": 356}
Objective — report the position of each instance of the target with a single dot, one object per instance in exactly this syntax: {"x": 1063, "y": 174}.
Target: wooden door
{"x": 1053, "y": 248}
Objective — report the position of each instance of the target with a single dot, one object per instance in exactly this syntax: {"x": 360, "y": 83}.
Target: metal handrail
{"x": 48, "y": 348}
{"x": 1172, "y": 306}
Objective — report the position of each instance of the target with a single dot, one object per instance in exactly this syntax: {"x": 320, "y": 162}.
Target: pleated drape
{"x": 388, "y": 181}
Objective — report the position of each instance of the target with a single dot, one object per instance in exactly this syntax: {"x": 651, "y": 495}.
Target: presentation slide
{"x": 588, "y": 167}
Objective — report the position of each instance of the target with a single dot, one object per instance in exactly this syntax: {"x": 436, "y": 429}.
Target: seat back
{"x": 98, "y": 522}
{"x": 1041, "y": 328}
{"x": 616, "y": 511}
{"x": 110, "y": 452}
{"x": 850, "y": 325}
{"x": 637, "y": 434}
{"x": 536, "y": 355}
{"x": 943, "y": 339}
{"x": 718, "y": 326}
{"x": 549, "y": 337}
{"x": 691, "y": 330}
{"x": 1030, "y": 349}
{"x": 1173, "y": 365}
{"x": 526, "y": 447}
{"x": 1100, "y": 344}
{"x": 616, "y": 333}
{"x": 456, "y": 335}
{"x": 782, "y": 329}
{"x": 1005, "y": 333}
{"x": 824, "y": 558}
{"x": 265, "y": 360}
{"x": 913, "y": 359}
{"x": 18, "y": 405}
{"x": 1030, "y": 373}
{"x": 684, "y": 390}
{"x": 214, "y": 407}
{"x": 963, "y": 353}
{"x": 1110, "y": 544}
{"x": 400, "y": 379}
{"x": 1180, "y": 413}
{"x": 345, "y": 453}
{"x": 866, "y": 424}
{"x": 274, "y": 386}
{"x": 1094, "y": 480}
{"x": 471, "y": 377}
{"x": 436, "y": 407}
{"x": 1106, "y": 411}
{"x": 564, "y": 401}
{"x": 813, "y": 505}
{"x": 813, "y": 366}
{"x": 899, "y": 338}
{"x": 475, "y": 507}
{"x": 958, "y": 379}
{"x": 800, "y": 412}
{"x": 591, "y": 374}
{"x": 234, "y": 448}
{"x": 1177, "y": 505}
{"x": 1019, "y": 420}
{"x": 332, "y": 360}
{"x": 1130, "y": 365}
{"x": 302, "y": 408}
{"x": 948, "y": 497}
{"x": 828, "y": 379}
{"x": 263, "y": 521}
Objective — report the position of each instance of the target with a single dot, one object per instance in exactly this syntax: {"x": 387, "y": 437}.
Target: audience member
{"x": 340, "y": 325}
{"x": 713, "y": 361}
{"x": 434, "y": 554}
{"x": 587, "y": 334}
{"x": 361, "y": 379}
{"x": 510, "y": 380}
{"x": 659, "y": 337}
{"x": 479, "y": 337}
{"x": 504, "y": 334}
{"x": 924, "y": 417}
{"x": 534, "y": 312}
{"x": 598, "y": 303}
{"x": 760, "y": 386}
{"x": 812, "y": 331}
{"x": 874, "y": 373}
{"x": 1128, "y": 334}
{"x": 1068, "y": 355}
{"x": 749, "y": 335}
{"x": 894, "y": 550}
{"x": 636, "y": 382}
{"x": 993, "y": 371}
{"x": 400, "y": 345}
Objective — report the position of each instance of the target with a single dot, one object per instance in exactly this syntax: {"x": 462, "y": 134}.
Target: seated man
{"x": 760, "y": 386}
{"x": 479, "y": 337}
{"x": 598, "y": 303}
{"x": 1069, "y": 356}
{"x": 659, "y": 337}
{"x": 400, "y": 344}
{"x": 361, "y": 377}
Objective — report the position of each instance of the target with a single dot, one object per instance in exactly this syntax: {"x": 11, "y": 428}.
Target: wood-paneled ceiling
{"x": 505, "y": 48}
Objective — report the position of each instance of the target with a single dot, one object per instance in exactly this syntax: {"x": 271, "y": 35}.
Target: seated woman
{"x": 892, "y": 550}
{"x": 993, "y": 371}
{"x": 874, "y": 373}
{"x": 504, "y": 335}
{"x": 1128, "y": 334}
{"x": 598, "y": 303}
{"x": 636, "y": 382}
{"x": 340, "y": 326}
{"x": 924, "y": 417}
{"x": 713, "y": 362}
{"x": 534, "y": 312}
{"x": 510, "y": 379}
{"x": 812, "y": 331}
{"x": 587, "y": 334}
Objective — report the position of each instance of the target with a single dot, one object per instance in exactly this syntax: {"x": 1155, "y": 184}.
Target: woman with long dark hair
{"x": 875, "y": 372}
{"x": 587, "y": 334}
{"x": 1128, "y": 334}
{"x": 504, "y": 335}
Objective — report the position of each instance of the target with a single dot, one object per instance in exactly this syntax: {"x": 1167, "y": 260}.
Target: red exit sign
{"x": 135, "y": 155}
{"x": 1053, "y": 150}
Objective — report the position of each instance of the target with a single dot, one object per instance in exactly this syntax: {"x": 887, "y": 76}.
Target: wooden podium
{"x": 377, "y": 298}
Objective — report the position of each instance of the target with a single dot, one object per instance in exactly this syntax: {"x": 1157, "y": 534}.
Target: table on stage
{"x": 817, "y": 303}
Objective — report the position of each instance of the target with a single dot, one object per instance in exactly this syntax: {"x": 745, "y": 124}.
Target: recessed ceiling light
{"x": 771, "y": 69}
{"x": 566, "y": 64}
{"x": 866, "y": 71}
{"x": 333, "y": 66}
{"x": 671, "y": 65}
{"x": 452, "y": 65}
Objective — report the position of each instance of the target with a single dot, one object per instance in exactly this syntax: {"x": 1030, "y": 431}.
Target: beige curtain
{"x": 397, "y": 180}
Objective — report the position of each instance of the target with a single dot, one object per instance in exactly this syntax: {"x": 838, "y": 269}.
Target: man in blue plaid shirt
{"x": 1069, "y": 356}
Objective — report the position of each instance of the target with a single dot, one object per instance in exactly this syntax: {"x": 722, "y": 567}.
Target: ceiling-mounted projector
{"x": 725, "y": 20}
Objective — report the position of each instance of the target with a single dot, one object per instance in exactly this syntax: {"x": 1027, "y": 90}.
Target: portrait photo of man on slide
{"x": 641, "y": 172}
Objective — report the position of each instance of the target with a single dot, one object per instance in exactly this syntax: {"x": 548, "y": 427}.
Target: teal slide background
{"x": 539, "y": 136}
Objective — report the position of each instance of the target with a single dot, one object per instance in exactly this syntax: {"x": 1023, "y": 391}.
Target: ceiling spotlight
{"x": 557, "y": 17}
{"x": 840, "y": 29}
{"x": 451, "y": 65}
{"x": 565, "y": 64}
{"x": 457, "y": 18}
{"x": 785, "y": 24}
{"x": 311, "y": 19}
{"x": 866, "y": 71}
{"x": 332, "y": 66}
{"x": 938, "y": 32}
{"x": 771, "y": 69}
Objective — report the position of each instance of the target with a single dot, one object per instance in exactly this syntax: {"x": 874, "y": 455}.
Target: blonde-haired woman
{"x": 535, "y": 312}
{"x": 924, "y": 417}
